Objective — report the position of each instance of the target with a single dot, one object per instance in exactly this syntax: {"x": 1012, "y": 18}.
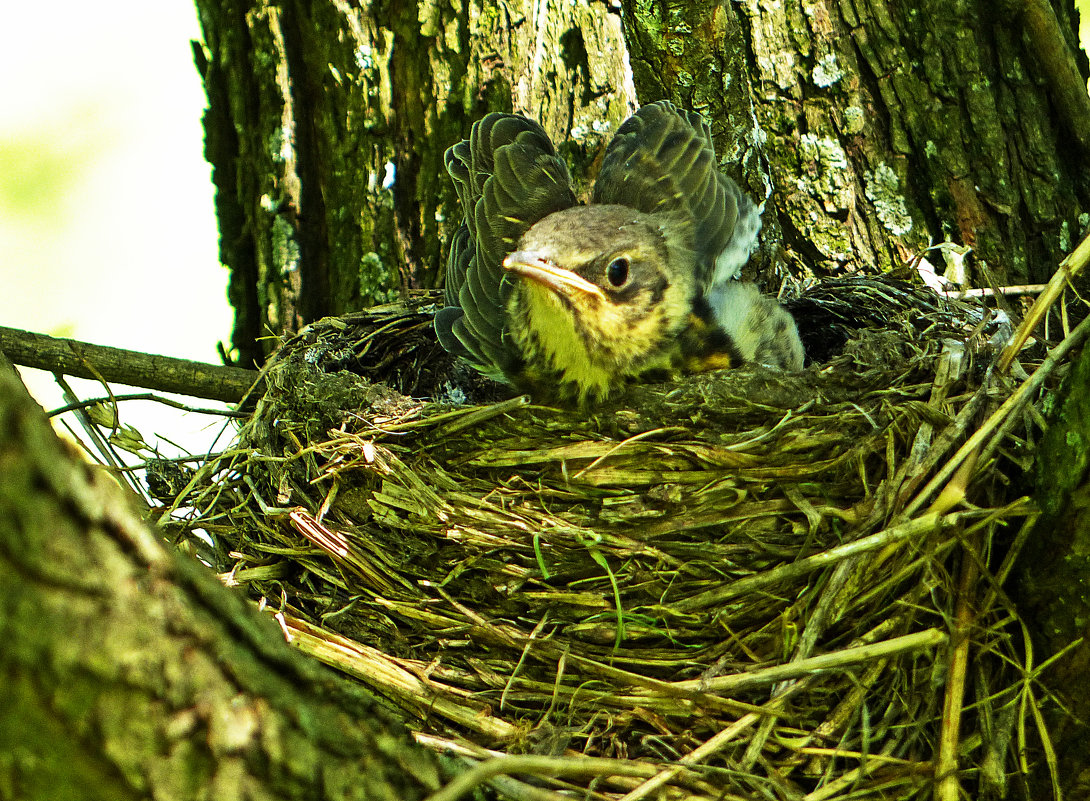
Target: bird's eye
{"x": 617, "y": 272}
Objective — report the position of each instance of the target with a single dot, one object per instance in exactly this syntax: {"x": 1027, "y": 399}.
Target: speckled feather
{"x": 662, "y": 161}
{"x": 558, "y": 327}
{"x": 508, "y": 176}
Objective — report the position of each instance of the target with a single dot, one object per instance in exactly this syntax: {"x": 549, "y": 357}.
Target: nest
{"x": 745, "y": 584}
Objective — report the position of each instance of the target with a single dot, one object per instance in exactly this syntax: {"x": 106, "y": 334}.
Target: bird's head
{"x": 601, "y": 293}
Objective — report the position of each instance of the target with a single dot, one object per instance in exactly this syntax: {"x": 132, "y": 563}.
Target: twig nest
{"x": 630, "y": 582}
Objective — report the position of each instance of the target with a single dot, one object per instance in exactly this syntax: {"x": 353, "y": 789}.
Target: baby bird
{"x": 569, "y": 302}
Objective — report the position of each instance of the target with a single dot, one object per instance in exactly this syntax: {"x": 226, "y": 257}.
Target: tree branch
{"x": 163, "y": 373}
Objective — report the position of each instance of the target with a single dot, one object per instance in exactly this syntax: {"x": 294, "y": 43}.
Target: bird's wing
{"x": 508, "y": 176}
{"x": 662, "y": 161}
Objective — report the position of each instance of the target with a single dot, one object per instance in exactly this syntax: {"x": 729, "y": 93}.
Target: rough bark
{"x": 1053, "y": 581}
{"x": 328, "y": 121}
{"x": 878, "y": 129}
{"x": 873, "y": 130}
{"x": 129, "y": 671}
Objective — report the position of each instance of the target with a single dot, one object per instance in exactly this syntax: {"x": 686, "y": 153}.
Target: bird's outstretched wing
{"x": 508, "y": 176}
{"x": 662, "y": 161}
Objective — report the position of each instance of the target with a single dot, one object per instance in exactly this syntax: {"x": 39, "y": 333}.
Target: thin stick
{"x": 1069, "y": 268}
{"x": 1014, "y": 402}
{"x": 846, "y": 780}
{"x": 947, "y": 786}
{"x": 988, "y": 292}
{"x": 835, "y": 660}
{"x": 710, "y": 747}
{"x": 744, "y": 586}
{"x": 147, "y": 396}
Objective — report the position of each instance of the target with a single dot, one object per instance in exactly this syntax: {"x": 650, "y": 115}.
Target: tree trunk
{"x": 872, "y": 131}
{"x": 129, "y": 671}
{"x": 878, "y": 129}
{"x": 327, "y": 125}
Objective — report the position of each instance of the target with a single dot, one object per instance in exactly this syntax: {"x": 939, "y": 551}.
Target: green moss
{"x": 1055, "y": 579}
{"x": 1065, "y": 449}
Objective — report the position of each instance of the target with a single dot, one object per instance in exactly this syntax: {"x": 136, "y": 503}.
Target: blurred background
{"x": 107, "y": 231}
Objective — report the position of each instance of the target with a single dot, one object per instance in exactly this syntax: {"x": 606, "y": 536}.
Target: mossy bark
{"x": 872, "y": 131}
{"x": 128, "y": 671}
{"x": 328, "y": 121}
{"x": 879, "y": 129}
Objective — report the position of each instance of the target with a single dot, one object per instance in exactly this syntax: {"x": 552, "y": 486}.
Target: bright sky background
{"x": 107, "y": 229}
{"x": 1083, "y": 7}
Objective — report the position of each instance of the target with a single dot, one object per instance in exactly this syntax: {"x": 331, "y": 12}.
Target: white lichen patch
{"x": 279, "y": 144}
{"x": 590, "y": 126}
{"x": 376, "y": 280}
{"x": 827, "y": 72}
{"x": 883, "y": 189}
{"x": 829, "y": 175}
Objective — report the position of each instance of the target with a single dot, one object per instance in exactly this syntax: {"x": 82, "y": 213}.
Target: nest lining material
{"x": 746, "y": 566}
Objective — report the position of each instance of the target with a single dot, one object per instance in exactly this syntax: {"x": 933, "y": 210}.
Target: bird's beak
{"x": 529, "y": 265}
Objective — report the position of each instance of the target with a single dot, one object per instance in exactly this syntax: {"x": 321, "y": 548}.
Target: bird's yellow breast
{"x": 595, "y": 349}
{"x": 543, "y": 328}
